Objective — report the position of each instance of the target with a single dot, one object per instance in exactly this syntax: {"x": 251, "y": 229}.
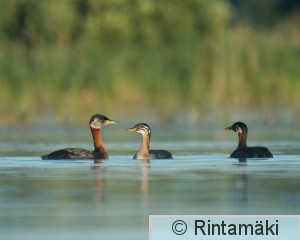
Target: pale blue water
{"x": 111, "y": 200}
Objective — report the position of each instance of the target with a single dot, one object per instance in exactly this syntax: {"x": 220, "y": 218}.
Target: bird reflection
{"x": 97, "y": 193}
{"x": 145, "y": 165}
{"x": 241, "y": 183}
{"x": 145, "y": 178}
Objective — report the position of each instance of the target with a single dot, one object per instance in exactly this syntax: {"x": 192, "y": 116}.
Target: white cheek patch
{"x": 96, "y": 124}
{"x": 239, "y": 130}
{"x": 143, "y": 131}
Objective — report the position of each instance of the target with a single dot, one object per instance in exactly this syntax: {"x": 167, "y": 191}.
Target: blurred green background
{"x": 165, "y": 60}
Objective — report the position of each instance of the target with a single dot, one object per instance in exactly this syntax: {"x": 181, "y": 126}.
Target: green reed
{"x": 234, "y": 70}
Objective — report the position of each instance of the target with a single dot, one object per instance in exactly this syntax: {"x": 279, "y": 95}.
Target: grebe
{"x": 242, "y": 150}
{"x": 96, "y": 122}
{"x": 144, "y": 152}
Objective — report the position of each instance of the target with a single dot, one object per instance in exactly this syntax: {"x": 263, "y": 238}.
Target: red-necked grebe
{"x": 145, "y": 152}
{"x": 242, "y": 150}
{"x": 96, "y": 122}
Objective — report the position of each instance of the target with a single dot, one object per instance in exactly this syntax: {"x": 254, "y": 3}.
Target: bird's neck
{"x": 98, "y": 144}
{"x": 145, "y": 145}
{"x": 242, "y": 140}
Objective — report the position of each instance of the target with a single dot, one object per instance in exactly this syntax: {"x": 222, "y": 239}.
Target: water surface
{"x": 112, "y": 199}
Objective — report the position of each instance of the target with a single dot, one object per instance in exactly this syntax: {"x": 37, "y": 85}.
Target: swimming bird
{"x": 96, "y": 122}
{"x": 242, "y": 150}
{"x": 145, "y": 152}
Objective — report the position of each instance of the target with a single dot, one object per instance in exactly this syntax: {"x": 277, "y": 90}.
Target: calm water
{"x": 113, "y": 199}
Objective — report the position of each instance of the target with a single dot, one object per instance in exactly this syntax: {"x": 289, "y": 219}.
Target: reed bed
{"x": 230, "y": 70}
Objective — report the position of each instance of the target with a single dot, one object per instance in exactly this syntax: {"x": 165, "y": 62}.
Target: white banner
{"x": 227, "y": 227}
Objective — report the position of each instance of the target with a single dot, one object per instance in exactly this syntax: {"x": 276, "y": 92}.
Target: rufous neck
{"x": 98, "y": 144}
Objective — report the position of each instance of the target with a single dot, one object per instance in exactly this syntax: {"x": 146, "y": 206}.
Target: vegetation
{"x": 61, "y": 61}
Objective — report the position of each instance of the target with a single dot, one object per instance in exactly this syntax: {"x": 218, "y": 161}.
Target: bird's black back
{"x": 251, "y": 152}
{"x": 72, "y": 153}
{"x": 160, "y": 154}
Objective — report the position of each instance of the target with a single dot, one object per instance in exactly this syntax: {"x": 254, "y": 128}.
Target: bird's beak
{"x": 229, "y": 128}
{"x": 133, "y": 129}
{"x": 110, "y": 122}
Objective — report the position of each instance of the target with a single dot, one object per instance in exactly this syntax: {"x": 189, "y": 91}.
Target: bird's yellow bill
{"x": 131, "y": 129}
{"x": 109, "y": 122}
